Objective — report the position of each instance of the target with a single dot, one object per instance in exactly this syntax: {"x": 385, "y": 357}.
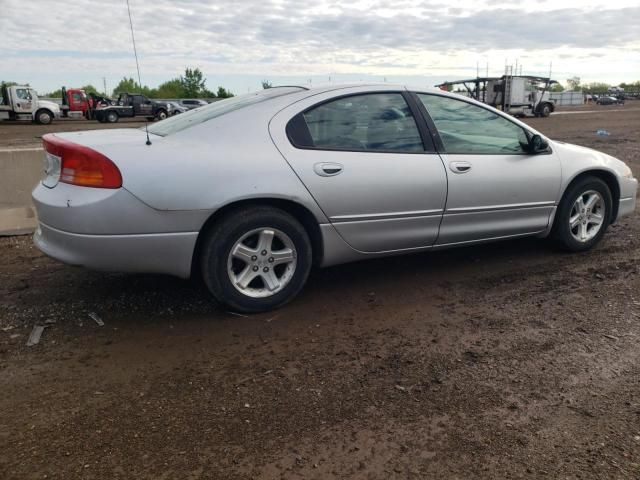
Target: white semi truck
{"x": 518, "y": 95}
{"x": 20, "y": 102}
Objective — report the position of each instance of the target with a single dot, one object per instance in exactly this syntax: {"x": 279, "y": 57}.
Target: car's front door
{"x": 23, "y": 100}
{"x": 141, "y": 105}
{"x": 364, "y": 160}
{"x": 496, "y": 187}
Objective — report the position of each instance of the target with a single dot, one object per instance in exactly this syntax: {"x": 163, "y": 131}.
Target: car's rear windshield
{"x": 197, "y": 116}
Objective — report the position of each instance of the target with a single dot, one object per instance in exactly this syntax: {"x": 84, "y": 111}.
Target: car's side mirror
{"x": 537, "y": 144}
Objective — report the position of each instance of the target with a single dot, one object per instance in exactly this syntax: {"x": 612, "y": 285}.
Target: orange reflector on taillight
{"x": 82, "y": 165}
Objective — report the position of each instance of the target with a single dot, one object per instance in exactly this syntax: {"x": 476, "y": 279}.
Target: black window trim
{"x": 436, "y": 135}
{"x": 419, "y": 120}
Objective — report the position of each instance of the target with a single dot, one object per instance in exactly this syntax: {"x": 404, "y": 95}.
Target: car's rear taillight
{"x": 82, "y": 165}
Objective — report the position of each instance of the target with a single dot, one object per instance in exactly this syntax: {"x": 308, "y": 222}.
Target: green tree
{"x": 573, "y": 84}
{"x": 631, "y": 86}
{"x": 58, "y": 93}
{"x": 266, "y": 84}
{"x": 192, "y": 82}
{"x": 129, "y": 85}
{"x": 223, "y": 93}
{"x": 206, "y": 93}
{"x": 89, "y": 89}
{"x": 55, "y": 94}
{"x": 556, "y": 87}
{"x": 171, "y": 89}
{"x": 596, "y": 87}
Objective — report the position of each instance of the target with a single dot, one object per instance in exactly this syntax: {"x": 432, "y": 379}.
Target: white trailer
{"x": 518, "y": 95}
{"x": 20, "y": 102}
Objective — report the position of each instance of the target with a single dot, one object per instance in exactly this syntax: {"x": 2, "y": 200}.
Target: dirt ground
{"x": 510, "y": 360}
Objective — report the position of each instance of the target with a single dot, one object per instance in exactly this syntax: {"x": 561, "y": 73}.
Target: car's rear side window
{"x": 216, "y": 109}
{"x": 380, "y": 122}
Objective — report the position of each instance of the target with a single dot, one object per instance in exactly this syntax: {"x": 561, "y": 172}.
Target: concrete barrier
{"x": 20, "y": 171}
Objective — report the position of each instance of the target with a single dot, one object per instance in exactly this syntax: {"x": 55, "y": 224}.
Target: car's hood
{"x": 50, "y": 105}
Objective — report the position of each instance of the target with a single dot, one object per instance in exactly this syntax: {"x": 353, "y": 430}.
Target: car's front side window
{"x": 379, "y": 122}
{"x": 469, "y": 129}
{"x": 23, "y": 94}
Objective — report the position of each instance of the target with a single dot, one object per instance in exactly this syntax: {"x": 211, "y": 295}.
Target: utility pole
{"x": 104, "y": 84}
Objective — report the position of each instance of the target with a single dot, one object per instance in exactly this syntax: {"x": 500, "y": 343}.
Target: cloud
{"x": 276, "y": 36}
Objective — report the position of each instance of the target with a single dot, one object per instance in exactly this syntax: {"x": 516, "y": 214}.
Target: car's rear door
{"x": 496, "y": 188}
{"x": 364, "y": 159}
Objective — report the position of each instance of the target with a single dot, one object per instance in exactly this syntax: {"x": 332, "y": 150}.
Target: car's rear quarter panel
{"x": 208, "y": 166}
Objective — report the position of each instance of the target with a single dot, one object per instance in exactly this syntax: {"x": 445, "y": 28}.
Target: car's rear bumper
{"x": 168, "y": 253}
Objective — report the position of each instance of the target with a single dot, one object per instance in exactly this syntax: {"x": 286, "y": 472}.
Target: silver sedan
{"x": 252, "y": 191}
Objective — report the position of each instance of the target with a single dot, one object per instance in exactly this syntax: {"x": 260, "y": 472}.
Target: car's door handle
{"x": 328, "y": 169}
{"x": 460, "y": 167}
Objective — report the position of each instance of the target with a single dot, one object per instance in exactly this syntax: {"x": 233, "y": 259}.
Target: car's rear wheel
{"x": 256, "y": 259}
{"x": 583, "y": 215}
{"x": 161, "y": 115}
{"x": 112, "y": 117}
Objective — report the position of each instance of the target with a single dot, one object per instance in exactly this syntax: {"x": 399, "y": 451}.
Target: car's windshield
{"x": 216, "y": 109}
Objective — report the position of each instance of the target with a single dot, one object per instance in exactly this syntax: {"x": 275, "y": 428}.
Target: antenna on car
{"x": 135, "y": 53}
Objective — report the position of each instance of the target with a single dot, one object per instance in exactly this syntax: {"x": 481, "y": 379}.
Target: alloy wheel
{"x": 262, "y": 262}
{"x": 587, "y": 216}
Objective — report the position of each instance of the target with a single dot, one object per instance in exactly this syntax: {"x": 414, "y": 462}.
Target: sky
{"x": 238, "y": 43}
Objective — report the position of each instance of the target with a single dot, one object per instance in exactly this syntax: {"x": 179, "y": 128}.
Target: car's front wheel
{"x": 545, "y": 110}
{"x": 44, "y": 117}
{"x": 256, "y": 259}
{"x": 583, "y": 215}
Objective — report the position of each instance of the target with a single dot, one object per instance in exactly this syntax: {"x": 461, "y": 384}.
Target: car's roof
{"x": 368, "y": 85}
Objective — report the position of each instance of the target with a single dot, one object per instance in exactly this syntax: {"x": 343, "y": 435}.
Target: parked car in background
{"x": 132, "y": 105}
{"x": 609, "y": 100}
{"x": 289, "y": 177}
{"x": 192, "y": 103}
{"x": 175, "y": 108}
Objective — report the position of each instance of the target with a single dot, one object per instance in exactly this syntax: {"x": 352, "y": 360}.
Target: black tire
{"x": 216, "y": 249}
{"x": 44, "y": 117}
{"x": 112, "y": 117}
{"x": 561, "y": 232}
{"x": 162, "y": 114}
{"x": 545, "y": 110}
